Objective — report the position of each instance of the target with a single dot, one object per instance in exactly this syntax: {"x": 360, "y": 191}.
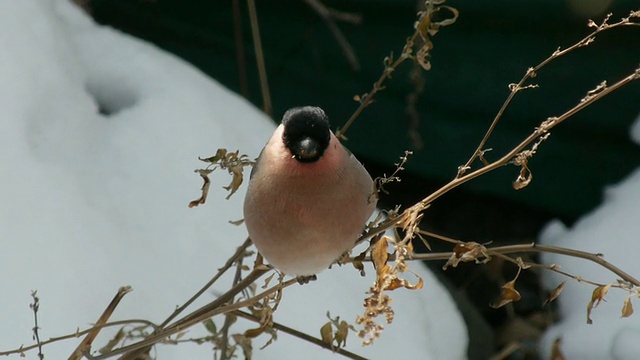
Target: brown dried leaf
{"x": 380, "y": 256}
{"x": 358, "y": 262}
{"x": 230, "y": 161}
{"x": 627, "y": 308}
{"x": 341, "y": 334}
{"x": 254, "y": 333}
{"x": 394, "y": 284}
{"x": 423, "y": 55}
{"x": 427, "y": 27}
{"x": 402, "y": 283}
{"x": 205, "y": 188}
{"x": 326, "y": 334}
{"x": 419, "y": 285}
{"x": 596, "y": 297}
{"x": 524, "y": 178}
{"x": 469, "y": 251}
{"x": 509, "y": 294}
{"x": 220, "y": 154}
{"x": 236, "y": 180}
{"x": 555, "y": 293}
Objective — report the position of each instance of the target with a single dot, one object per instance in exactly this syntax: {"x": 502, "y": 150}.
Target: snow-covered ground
{"x": 91, "y": 201}
{"x": 613, "y": 230}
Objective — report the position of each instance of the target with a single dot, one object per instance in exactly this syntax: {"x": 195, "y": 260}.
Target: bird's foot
{"x": 306, "y": 278}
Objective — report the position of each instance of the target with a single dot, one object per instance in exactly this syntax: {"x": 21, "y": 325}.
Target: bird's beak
{"x": 308, "y": 148}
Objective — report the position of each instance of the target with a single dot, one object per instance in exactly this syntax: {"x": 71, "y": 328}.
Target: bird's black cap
{"x": 306, "y": 133}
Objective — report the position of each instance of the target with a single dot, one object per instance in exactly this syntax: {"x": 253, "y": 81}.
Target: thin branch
{"x": 215, "y": 307}
{"x": 85, "y": 345}
{"x": 210, "y": 310}
{"x": 23, "y": 349}
{"x": 329, "y": 16}
{"x": 531, "y": 73}
{"x": 424, "y": 29}
{"x": 257, "y": 44}
{"x": 228, "y": 319}
{"x": 596, "y": 258}
{"x": 504, "y": 160}
{"x": 540, "y": 131}
{"x": 301, "y": 335}
{"x": 35, "y": 306}
{"x": 240, "y": 251}
{"x": 238, "y": 254}
{"x": 240, "y": 55}
{"x": 367, "y": 99}
{"x": 533, "y": 247}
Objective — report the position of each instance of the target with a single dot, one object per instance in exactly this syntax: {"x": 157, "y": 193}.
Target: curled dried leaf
{"x": 230, "y": 161}
{"x": 358, "y": 262}
{"x": 254, "y": 333}
{"x": 524, "y": 178}
{"x": 469, "y": 251}
{"x": 380, "y": 255}
{"x": 235, "y": 166}
{"x": 220, "y": 154}
{"x": 508, "y": 295}
{"x": 596, "y": 298}
{"x": 407, "y": 285}
{"x": 426, "y": 27}
{"x": 204, "y": 173}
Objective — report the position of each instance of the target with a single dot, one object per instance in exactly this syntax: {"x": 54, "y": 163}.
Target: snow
{"x": 612, "y": 230}
{"x": 100, "y": 135}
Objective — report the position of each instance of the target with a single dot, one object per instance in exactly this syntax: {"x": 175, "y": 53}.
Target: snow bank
{"x": 612, "y": 230}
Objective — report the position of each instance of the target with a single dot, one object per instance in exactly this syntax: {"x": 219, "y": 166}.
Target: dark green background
{"x": 490, "y": 46}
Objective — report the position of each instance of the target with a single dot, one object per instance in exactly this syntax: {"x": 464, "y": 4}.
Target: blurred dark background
{"x": 473, "y": 61}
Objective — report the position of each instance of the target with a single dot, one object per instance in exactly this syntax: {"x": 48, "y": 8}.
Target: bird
{"x": 308, "y": 197}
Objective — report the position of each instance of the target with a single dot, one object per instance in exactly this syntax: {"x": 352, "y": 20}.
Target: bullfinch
{"x": 308, "y": 197}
